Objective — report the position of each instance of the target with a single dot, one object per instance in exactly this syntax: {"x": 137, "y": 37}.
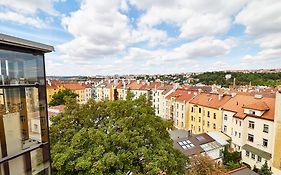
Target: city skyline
{"x": 143, "y": 37}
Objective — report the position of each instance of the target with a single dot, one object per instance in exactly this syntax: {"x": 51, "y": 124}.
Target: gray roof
{"x": 14, "y": 41}
{"x": 257, "y": 151}
{"x": 242, "y": 171}
{"x": 180, "y": 133}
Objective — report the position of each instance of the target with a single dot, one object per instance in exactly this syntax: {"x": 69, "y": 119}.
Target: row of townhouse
{"x": 83, "y": 90}
{"x": 252, "y": 121}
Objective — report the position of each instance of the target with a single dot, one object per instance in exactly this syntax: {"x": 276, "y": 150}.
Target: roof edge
{"x": 19, "y": 42}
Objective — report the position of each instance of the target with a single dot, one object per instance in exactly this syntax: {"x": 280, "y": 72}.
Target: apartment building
{"x": 276, "y": 162}
{"x": 178, "y": 104}
{"x": 159, "y": 99}
{"x": 249, "y": 121}
{"x": 23, "y": 149}
{"x": 78, "y": 89}
{"x": 205, "y": 112}
{"x": 53, "y": 87}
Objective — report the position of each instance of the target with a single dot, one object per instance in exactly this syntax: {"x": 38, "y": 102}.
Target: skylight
{"x": 186, "y": 144}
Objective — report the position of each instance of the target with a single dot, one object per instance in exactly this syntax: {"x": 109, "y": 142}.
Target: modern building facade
{"x": 24, "y": 148}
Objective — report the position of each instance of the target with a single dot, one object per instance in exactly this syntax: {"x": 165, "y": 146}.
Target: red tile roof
{"x": 239, "y": 102}
{"x": 73, "y": 86}
{"x": 210, "y": 100}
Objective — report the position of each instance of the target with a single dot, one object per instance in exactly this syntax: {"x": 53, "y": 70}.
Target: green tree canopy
{"x": 112, "y": 137}
{"x": 59, "y": 98}
{"x": 265, "y": 170}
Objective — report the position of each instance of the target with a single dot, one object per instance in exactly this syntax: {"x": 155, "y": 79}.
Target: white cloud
{"x": 205, "y": 24}
{"x": 264, "y": 55}
{"x": 262, "y": 21}
{"x": 30, "y": 6}
{"x": 261, "y": 17}
{"x": 26, "y": 11}
{"x": 98, "y": 28}
{"x": 19, "y": 18}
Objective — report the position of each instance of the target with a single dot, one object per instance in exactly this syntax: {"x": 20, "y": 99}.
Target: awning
{"x": 257, "y": 151}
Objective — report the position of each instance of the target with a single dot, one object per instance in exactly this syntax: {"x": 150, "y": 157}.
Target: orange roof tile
{"x": 210, "y": 100}
{"x": 73, "y": 86}
{"x": 240, "y": 101}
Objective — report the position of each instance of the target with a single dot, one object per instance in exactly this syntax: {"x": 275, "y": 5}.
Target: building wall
{"x": 51, "y": 91}
{"x": 277, "y": 136}
{"x": 200, "y": 121}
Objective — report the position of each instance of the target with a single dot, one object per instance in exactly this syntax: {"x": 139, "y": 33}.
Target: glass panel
{"x": 21, "y": 68}
{"x": 37, "y": 162}
{"x": 20, "y": 114}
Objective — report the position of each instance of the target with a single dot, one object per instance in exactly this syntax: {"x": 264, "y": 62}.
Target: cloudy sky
{"x": 102, "y": 37}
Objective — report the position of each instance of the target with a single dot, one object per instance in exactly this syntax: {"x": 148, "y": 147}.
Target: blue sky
{"x": 108, "y": 37}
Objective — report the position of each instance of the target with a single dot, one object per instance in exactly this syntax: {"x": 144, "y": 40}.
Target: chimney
{"x": 138, "y": 81}
{"x": 220, "y": 96}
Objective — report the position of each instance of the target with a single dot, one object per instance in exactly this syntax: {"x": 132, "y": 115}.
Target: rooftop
{"x": 14, "y": 41}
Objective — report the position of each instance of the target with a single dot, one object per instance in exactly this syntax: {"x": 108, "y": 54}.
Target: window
{"x": 215, "y": 115}
{"x": 265, "y": 128}
{"x": 199, "y": 119}
{"x": 225, "y": 117}
{"x": 240, "y": 123}
{"x": 239, "y": 135}
{"x": 186, "y": 144}
{"x": 203, "y": 122}
{"x": 214, "y": 126}
{"x": 264, "y": 142}
{"x": 236, "y": 121}
{"x": 235, "y": 133}
{"x": 199, "y": 110}
{"x": 221, "y": 152}
{"x": 177, "y": 106}
{"x": 251, "y": 124}
{"x": 192, "y": 118}
{"x": 253, "y": 156}
{"x": 181, "y": 124}
{"x": 250, "y": 138}
{"x": 247, "y": 153}
{"x": 259, "y": 158}
{"x": 208, "y": 114}
{"x": 191, "y": 109}
{"x": 199, "y": 129}
{"x": 208, "y": 124}
{"x": 182, "y": 107}
{"x": 225, "y": 128}
{"x": 182, "y": 116}
{"x": 177, "y": 122}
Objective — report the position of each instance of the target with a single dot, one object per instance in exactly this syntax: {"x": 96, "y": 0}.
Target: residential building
{"x": 159, "y": 99}
{"x": 24, "y": 149}
{"x": 276, "y": 163}
{"x": 79, "y": 89}
{"x": 249, "y": 121}
{"x": 53, "y": 87}
{"x": 206, "y": 113}
{"x": 178, "y": 105}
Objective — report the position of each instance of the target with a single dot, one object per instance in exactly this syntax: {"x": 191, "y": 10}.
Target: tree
{"x": 112, "y": 137}
{"x": 59, "y": 98}
{"x": 204, "y": 165}
{"x": 231, "y": 160}
{"x": 265, "y": 170}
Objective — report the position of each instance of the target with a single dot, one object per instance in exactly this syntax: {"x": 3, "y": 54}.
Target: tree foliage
{"x": 256, "y": 79}
{"x": 231, "y": 160}
{"x": 204, "y": 165}
{"x": 265, "y": 170}
{"x": 112, "y": 137}
{"x": 59, "y": 98}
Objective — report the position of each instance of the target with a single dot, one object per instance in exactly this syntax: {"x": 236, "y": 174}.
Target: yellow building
{"x": 206, "y": 113}
{"x": 177, "y": 104}
{"x": 78, "y": 89}
{"x": 53, "y": 87}
{"x": 276, "y": 163}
